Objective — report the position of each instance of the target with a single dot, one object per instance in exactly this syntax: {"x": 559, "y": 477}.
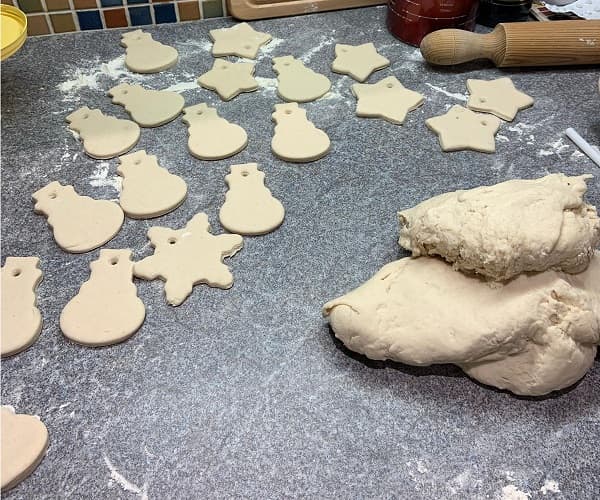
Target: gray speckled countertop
{"x": 245, "y": 392}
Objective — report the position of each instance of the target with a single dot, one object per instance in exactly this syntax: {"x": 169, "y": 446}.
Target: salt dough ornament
{"x": 185, "y": 257}
{"x": 460, "y": 128}
{"x": 148, "y": 190}
{"x": 212, "y": 137}
{"x": 23, "y": 444}
{"x": 297, "y": 82}
{"x": 296, "y": 139}
{"x": 387, "y": 99}
{"x": 148, "y": 108}
{"x": 145, "y": 55}
{"x": 21, "y": 319}
{"x": 103, "y": 136}
{"x": 240, "y": 40}
{"x": 229, "y": 79}
{"x": 249, "y": 207}
{"x": 80, "y": 223}
{"x": 106, "y": 310}
{"x": 358, "y": 61}
{"x": 499, "y": 97}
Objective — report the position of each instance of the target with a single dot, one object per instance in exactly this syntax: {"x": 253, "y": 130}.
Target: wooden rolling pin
{"x": 518, "y": 44}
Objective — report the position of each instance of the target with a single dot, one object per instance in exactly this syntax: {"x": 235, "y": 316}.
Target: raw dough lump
{"x": 503, "y": 230}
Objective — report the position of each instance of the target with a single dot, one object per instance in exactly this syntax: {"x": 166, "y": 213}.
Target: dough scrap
{"x": 189, "y": 256}
{"x": 148, "y": 108}
{"x": 106, "y": 310}
{"x": 145, "y": 55}
{"x": 249, "y": 207}
{"x": 80, "y": 223}
{"x": 103, "y": 136}
{"x": 240, "y": 40}
{"x": 460, "y": 128}
{"x": 21, "y": 319}
{"x": 499, "y": 97}
{"x": 358, "y": 61}
{"x": 387, "y": 99}
{"x": 297, "y": 82}
{"x": 503, "y": 230}
{"x": 23, "y": 443}
{"x": 229, "y": 79}
{"x": 532, "y": 335}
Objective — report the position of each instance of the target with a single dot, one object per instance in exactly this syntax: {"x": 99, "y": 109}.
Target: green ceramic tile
{"x": 31, "y": 5}
{"x": 212, "y": 8}
{"x": 63, "y": 23}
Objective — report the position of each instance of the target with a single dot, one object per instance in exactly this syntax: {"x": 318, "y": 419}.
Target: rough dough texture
{"x": 249, "y": 207}
{"x": 229, "y": 79}
{"x": 503, "y": 230}
{"x": 240, "y": 40}
{"x": 358, "y": 61}
{"x": 297, "y": 82}
{"x": 533, "y": 335}
{"x": 21, "y": 319}
{"x": 80, "y": 223}
{"x": 23, "y": 443}
{"x": 107, "y": 309}
{"x": 145, "y": 55}
{"x": 499, "y": 97}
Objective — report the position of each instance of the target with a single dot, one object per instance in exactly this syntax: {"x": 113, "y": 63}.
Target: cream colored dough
{"x": 148, "y": 189}
{"x": 103, "y": 136}
{"x": 387, "y": 99}
{"x": 107, "y": 309}
{"x": 189, "y": 256}
{"x": 460, "y": 128}
{"x": 229, "y": 79}
{"x": 145, "y": 55}
{"x": 535, "y": 334}
{"x": 296, "y": 139}
{"x": 212, "y": 137}
{"x": 249, "y": 207}
{"x": 297, "y": 82}
{"x": 148, "y": 108}
{"x": 23, "y": 443}
{"x": 21, "y": 319}
{"x": 358, "y": 61}
{"x": 503, "y": 230}
{"x": 80, "y": 223}
{"x": 240, "y": 40}
{"x": 499, "y": 97}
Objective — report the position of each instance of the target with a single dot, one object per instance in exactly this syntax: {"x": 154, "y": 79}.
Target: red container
{"x": 411, "y": 20}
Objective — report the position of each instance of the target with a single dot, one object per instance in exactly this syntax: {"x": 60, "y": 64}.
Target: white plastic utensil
{"x": 585, "y": 146}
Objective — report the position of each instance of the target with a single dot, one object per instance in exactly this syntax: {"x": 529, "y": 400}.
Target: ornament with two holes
{"x": 297, "y": 82}
{"x": 146, "y": 55}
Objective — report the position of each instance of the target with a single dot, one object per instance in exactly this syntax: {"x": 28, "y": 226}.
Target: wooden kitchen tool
{"x": 263, "y": 9}
{"x": 518, "y": 44}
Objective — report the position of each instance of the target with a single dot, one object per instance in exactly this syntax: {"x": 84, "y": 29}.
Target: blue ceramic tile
{"x": 165, "y": 13}
{"x": 137, "y": 1}
{"x": 89, "y": 20}
{"x": 140, "y": 15}
{"x": 111, "y": 3}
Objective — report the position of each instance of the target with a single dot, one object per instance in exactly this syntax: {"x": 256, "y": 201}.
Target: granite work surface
{"x": 245, "y": 392}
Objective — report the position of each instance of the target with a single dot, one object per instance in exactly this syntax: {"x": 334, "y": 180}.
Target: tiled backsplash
{"x": 61, "y": 16}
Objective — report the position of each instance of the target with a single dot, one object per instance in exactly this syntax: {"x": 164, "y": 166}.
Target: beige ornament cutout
{"x": 387, "y": 99}
{"x": 23, "y": 444}
{"x": 296, "y": 139}
{"x": 189, "y": 256}
{"x": 148, "y": 190}
{"x": 103, "y": 136}
{"x": 297, "y": 82}
{"x": 499, "y": 97}
{"x": 460, "y": 128}
{"x": 249, "y": 208}
{"x": 358, "y": 61}
{"x": 148, "y": 108}
{"x": 146, "y": 55}
{"x": 80, "y": 223}
{"x": 240, "y": 40}
{"x": 106, "y": 310}
{"x": 21, "y": 319}
{"x": 229, "y": 79}
{"x": 212, "y": 137}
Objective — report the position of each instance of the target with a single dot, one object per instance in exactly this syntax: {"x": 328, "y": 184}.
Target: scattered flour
{"x": 336, "y": 93}
{"x": 550, "y": 486}
{"x": 267, "y": 50}
{"x": 204, "y": 45}
{"x": 267, "y": 84}
{"x": 124, "y": 483}
{"x": 459, "y": 482}
{"x": 100, "y": 177}
{"x": 324, "y": 42}
{"x": 460, "y": 97}
{"x": 511, "y": 492}
{"x": 183, "y": 86}
{"x": 502, "y": 138}
{"x": 554, "y": 148}
{"x": 510, "y": 475}
{"x": 421, "y": 469}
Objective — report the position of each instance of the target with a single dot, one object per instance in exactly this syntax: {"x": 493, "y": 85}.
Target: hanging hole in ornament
{"x": 172, "y": 241}
{"x": 85, "y": 116}
{"x": 52, "y": 196}
{"x": 137, "y": 162}
{"x": 482, "y": 99}
{"x": 114, "y": 261}
{"x": 286, "y": 64}
{"x": 247, "y": 47}
{"x": 199, "y": 112}
{"x": 484, "y": 123}
{"x": 124, "y": 92}
{"x": 288, "y": 111}
{"x": 245, "y": 173}
{"x": 389, "y": 85}
{"x": 16, "y": 272}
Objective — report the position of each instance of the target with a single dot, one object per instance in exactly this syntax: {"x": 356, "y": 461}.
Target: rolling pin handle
{"x": 453, "y": 46}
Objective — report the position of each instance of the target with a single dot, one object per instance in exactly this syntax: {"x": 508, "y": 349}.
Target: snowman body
{"x": 148, "y": 108}
{"x": 146, "y": 55}
{"x": 297, "y": 82}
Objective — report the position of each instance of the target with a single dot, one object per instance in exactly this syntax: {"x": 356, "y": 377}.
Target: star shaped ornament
{"x": 499, "y": 97}
{"x": 229, "y": 79}
{"x": 240, "y": 40}
{"x": 387, "y": 99}
{"x": 460, "y": 128}
{"x": 358, "y": 61}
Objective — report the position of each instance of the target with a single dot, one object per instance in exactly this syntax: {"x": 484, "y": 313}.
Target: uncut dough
{"x": 145, "y": 55}
{"x": 503, "y": 230}
{"x": 535, "y": 334}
